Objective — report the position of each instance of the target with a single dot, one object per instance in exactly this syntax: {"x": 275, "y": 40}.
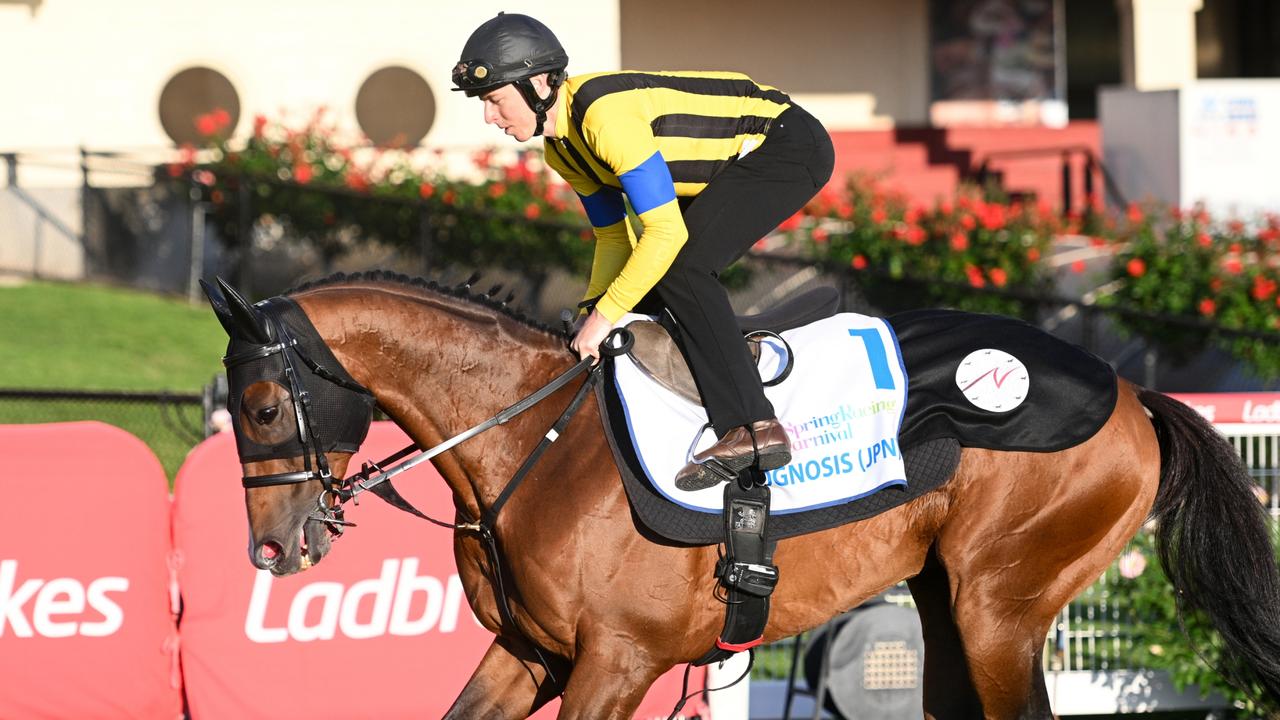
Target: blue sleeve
{"x": 604, "y": 207}
{"x": 649, "y": 184}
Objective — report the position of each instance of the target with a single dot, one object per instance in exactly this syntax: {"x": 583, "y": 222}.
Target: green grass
{"x": 91, "y": 337}
{"x": 86, "y": 337}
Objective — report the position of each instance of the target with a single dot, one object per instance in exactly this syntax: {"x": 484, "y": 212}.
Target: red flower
{"x": 426, "y": 190}
{"x": 1235, "y": 227}
{"x": 1033, "y": 255}
{"x": 975, "y": 276}
{"x": 967, "y": 222}
{"x": 1096, "y": 241}
{"x": 1233, "y": 266}
{"x": 357, "y": 181}
{"x": 845, "y": 210}
{"x": 1235, "y": 248}
{"x": 259, "y": 125}
{"x": 859, "y": 262}
{"x": 532, "y": 211}
{"x": 1207, "y": 307}
{"x": 913, "y": 214}
{"x": 217, "y": 197}
{"x": 206, "y": 125}
{"x": 221, "y": 119}
{"x": 175, "y": 170}
{"x": 792, "y": 222}
{"x": 1204, "y": 239}
{"x": 992, "y": 216}
{"x": 1137, "y": 267}
{"x": 1215, "y": 284}
{"x": 1262, "y": 288}
{"x": 998, "y": 276}
{"x": 915, "y": 236}
{"x": 1077, "y": 266}
{"x": 820, "y": 236}
{"x": 497, "y": 189}
{"x": 959, "y": 242}
{"x": 1134, "y": 214}
{"x": 449, "y": 197}
{"x": 878, "y": 216}
{"x": 302, "y": 173}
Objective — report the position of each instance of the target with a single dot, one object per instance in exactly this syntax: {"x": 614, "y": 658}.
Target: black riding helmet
{"x": 510, "y": 49}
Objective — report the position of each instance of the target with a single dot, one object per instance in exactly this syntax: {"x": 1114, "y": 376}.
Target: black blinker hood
{"x": 336, "y": 418}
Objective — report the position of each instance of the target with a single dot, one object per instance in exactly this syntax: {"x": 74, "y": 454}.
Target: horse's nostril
{"x": 269, "y": 552}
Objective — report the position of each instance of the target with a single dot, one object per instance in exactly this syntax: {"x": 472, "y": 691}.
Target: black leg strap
{"x": 746, "y": 570}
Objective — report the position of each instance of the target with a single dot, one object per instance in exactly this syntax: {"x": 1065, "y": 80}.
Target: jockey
{"x": 710, "y": 162}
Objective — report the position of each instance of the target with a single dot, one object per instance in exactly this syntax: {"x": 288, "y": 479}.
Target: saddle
{"x": 656, "y": 353}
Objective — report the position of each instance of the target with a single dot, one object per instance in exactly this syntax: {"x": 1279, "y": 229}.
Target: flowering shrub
{"x": 335, "y": 194}
{"x": 956, "y": 245}
{"x": 1182, "y": 263}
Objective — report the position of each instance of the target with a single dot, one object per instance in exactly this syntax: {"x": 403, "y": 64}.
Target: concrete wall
{"x": 91, "y": 72}
{"x": 855, "y": 63}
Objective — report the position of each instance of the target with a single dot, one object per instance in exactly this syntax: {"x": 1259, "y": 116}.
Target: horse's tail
{"x": 1214, "y": 543}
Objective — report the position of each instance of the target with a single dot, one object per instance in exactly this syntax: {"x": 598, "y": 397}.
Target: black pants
{"x": 742, "y": 204}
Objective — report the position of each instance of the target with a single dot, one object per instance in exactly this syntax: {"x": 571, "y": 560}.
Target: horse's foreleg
{"x": 509, "y": 684}
{"x": 608, "y": 683}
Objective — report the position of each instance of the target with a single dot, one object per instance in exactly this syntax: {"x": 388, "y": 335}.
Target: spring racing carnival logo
{"x": 58, "y": 608}
{"x": 397, "y": 602}
{"x": 834, "y": 429}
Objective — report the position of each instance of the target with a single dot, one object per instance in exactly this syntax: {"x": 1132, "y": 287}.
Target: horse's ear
{"x": 246, "y": 318}
{"x": 220, "y": 307}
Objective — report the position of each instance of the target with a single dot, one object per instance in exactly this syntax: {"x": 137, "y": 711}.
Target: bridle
{"x": 376, "y": 477}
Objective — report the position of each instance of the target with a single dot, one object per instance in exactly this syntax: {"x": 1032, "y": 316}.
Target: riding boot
{"x": 762, "y": 443}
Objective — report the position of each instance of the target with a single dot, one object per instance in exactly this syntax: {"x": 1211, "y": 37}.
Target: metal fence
{"x": 170, "y": 423}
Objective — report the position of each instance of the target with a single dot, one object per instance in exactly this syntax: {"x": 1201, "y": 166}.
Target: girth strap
{"x": 746, "y": 569}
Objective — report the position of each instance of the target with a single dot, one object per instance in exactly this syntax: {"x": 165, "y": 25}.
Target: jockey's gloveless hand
{"x": 590, "y": 335}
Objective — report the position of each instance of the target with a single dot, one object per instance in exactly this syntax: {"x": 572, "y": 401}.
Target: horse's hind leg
{"x": 1027, "y": 532}
{"x": 948, "y": 692}
{"x": 509, "y": 684}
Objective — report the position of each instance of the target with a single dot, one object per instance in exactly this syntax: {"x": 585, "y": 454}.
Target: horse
{"x": 598, "y": 607}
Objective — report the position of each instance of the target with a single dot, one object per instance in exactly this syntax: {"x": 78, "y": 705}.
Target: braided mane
{"x": 461, "y": 291}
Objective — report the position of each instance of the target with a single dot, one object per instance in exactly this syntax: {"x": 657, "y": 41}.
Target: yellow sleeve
{"x": 631, "y": 152}
{"x": 613, "y": 250}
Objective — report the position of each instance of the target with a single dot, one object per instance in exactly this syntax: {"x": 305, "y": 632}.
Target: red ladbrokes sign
{"x": 86, "y": 627}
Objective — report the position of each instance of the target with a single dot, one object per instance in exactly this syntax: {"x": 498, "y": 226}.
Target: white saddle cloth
{"x": 841, "y": 406}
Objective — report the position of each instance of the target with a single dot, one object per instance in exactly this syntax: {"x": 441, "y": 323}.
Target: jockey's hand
{"x": 590, "y": 335}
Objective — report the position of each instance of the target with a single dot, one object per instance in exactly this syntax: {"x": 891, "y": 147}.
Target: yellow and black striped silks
{"x": 651, "y": 136}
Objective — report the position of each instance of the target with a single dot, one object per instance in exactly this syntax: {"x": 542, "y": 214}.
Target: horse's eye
{"x": 267, "y": 414}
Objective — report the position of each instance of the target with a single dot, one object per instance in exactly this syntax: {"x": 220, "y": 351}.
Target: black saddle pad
{"x": 1069, "y": 394}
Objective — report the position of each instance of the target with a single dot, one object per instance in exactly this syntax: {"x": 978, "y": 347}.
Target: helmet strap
{"x": 539, "y": 105}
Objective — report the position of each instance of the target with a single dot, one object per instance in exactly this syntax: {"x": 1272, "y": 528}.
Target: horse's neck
{"x": 439, "y": 366}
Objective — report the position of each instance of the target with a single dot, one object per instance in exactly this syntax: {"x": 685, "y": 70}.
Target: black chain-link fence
{"x": 170, "y": 423}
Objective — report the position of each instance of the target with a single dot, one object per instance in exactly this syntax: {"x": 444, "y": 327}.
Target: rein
{"x": 376, "y": 477}
{"x": 373, "y": 475}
